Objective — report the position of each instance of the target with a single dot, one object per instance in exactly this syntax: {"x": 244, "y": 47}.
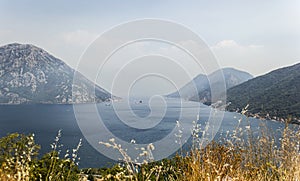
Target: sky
{"x": 256, "y": 36}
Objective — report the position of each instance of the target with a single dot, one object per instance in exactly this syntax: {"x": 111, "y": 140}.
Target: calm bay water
{"x": 45, "y": 121}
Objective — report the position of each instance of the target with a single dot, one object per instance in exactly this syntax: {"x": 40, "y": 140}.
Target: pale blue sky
{"x": 256, "y": 36}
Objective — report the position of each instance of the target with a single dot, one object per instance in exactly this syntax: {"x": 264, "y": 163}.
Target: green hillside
{"x": 276, "y": 93}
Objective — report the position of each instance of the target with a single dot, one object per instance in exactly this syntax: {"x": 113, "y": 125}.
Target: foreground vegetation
{"x": 19, "y": 161}
{"x": 242, "y": 154}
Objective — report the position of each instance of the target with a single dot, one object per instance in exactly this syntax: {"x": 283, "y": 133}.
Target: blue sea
{"x": 141, "y": 120}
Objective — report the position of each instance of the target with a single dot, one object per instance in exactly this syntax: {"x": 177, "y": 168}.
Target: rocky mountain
{"x": 29, "y": 74}
{"x": 275, "y": 94}
{"x": 204, "y": 84}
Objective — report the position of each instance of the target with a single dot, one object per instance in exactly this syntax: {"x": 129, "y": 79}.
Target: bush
{"x": 19, "y": 161}
{"x": 17, "y": 156}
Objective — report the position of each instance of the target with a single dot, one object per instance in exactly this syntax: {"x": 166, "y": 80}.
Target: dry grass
{"x": 253, "y": 159}
{"x": 240, "y": 155}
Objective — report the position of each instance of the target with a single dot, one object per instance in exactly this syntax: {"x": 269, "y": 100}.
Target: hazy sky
{"x": 256, "y": 36}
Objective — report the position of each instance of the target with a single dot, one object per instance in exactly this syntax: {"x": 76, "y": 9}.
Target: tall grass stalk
{"x": 244, "y": 153}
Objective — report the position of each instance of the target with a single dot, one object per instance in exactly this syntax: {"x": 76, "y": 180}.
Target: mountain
{"x": 199, "y": 89}
{"x": 29, "y": 74}
{"x": 200, "y": 82}
{"x": 276, "y": 94}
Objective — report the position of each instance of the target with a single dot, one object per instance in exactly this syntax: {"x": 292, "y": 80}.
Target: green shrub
{"x": 18, "y": 153}
{"x": 19, "y": 161}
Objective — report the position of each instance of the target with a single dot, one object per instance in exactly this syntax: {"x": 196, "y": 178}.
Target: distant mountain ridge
{"x": 29, "y": 74}
{"x": 204, "y": 84}
{"x": 275, "y": 94}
